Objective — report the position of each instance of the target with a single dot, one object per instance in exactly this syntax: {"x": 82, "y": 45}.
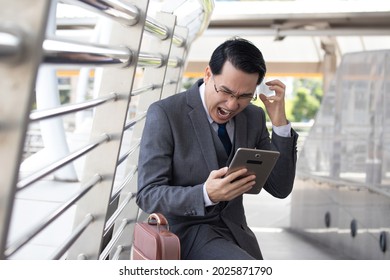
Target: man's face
{"x": 221, "y": 92}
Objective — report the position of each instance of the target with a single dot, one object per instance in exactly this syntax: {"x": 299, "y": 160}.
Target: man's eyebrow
{"x": 226, "y": 89}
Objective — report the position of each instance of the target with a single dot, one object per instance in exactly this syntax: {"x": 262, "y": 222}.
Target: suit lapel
{"x": 240, "y": 131}
{"x": 201, "y": 126}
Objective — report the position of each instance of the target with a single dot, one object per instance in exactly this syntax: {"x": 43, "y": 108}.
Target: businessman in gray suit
{"x": 183, "y": 160}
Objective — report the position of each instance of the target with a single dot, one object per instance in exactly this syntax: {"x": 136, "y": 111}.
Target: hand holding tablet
{"x": 258, "y": 162}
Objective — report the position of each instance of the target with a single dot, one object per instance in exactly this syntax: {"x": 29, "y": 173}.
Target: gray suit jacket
{"x": 178, "y": 151}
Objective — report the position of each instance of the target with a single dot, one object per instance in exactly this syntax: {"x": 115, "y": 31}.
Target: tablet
{"x": 258, "y": 162}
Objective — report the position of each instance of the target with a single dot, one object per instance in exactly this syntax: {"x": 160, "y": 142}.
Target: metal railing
{"x": 95, "y": 164}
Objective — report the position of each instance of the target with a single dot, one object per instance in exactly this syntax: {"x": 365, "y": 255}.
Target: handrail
{"x": 119, "y": 250}
{"x": 178, "y": 41}
{"x": 131, "y": 123}
{"x": 118, "y": 211}
{"x": 15, "y": 246}
{"x": 25, "y": 182}
{"x": 115, "y": 58}
{"x": 114, "y": 239}
{"x": 119, "y": 11}
{"x": 162, "y": 32}
{"x": 146, "y": 59}
{"x": 63, "y": 52}
{"x": 73, "y": 237}
{"x": 123, "y": 157}
{"x": 40, "y": 115}
{"x": 145, "y": 89}
{"x": 207, "y": 7}
{"x": 156, "y": 28}
{"x": 174, "y": 62}
{"x": 10, "y": 44}
{"x": 127, "y": 179}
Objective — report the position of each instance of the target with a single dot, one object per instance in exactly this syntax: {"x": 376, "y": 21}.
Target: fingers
{"x": 237, "y": 183}
{"x": 218, "y": 173}
{"x": 221, "y": 188}
{"x": 278, "y": 88}
{"x": 236, "y": 174}
{"x": 266, "y": 99}
{"x": 276, "y": 85}
{"x": 238, "y": 187}
{"x": 275, "y": 105}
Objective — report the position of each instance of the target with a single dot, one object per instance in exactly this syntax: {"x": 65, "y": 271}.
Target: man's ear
{"x": 207, "y": 74}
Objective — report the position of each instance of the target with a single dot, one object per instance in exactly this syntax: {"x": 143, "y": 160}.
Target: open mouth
{"x": 223, "y": 113}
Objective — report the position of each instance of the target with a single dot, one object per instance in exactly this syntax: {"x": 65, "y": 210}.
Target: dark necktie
{"x": 223, "y": 135}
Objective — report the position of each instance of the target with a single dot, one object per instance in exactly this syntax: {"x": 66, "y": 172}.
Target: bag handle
{"x": 159, "y": 219}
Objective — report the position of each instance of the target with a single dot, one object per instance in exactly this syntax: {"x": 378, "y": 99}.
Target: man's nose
{"x": 232, "y": 102}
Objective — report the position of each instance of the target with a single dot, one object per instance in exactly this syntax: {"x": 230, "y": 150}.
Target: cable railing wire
{"x": 15, "y": 246}
{"x": 127, "y": 179}
{"x": 114, "y": 239}
{"x": 73, "y": 237}
{"x": 133, "y": 122}
{"x": 10, "y": 44}
{"x": 119, "y": 250}
{"x": 124, "y": 13}
{"x": 157, "y": 29}
{"x": 145, "y": 89}
{"x": 57, "y": 51}
{"x": 29, "y": 180}
{"x": 111, "y": 221}
{"x": 40, "y": 115}
{"x": 174, "y": 62}
{"x": 66, "y": 52}
{"x": 151, "y": 60}
{"x": 128, "y": 153}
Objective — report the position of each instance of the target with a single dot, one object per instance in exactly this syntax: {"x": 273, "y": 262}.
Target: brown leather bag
{"x": 154, "y": 241}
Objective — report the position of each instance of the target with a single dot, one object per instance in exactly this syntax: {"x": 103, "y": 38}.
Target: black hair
{"x": 242, "y": 54}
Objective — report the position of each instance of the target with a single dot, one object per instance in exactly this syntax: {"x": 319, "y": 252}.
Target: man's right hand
{"x": 220, "y": 188}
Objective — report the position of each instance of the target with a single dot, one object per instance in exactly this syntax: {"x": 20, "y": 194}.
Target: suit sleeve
{"x": 281, "y": 180}
{"x": 155, "y": 190}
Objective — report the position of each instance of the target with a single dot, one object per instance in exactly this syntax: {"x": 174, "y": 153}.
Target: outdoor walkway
{"x": 269, "y": 218}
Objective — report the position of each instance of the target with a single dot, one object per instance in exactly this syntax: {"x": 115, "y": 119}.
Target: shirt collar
{"x": 229, "y": 125}
{"x": 202, "y": 93}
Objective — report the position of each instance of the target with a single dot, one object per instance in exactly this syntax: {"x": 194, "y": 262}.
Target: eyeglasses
{"x": 226, "y": 92}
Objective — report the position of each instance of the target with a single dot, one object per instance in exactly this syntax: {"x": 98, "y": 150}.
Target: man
{"x": 182, "y": 160}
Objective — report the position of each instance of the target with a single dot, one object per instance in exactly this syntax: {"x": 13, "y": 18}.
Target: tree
{"x": 305, "y": 105}
{"x": 306, "y": 100}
